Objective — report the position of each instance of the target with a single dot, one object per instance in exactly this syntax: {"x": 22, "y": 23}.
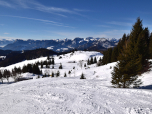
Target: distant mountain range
{"x": 59, "y": 45}
{"x": 4, "y": 42}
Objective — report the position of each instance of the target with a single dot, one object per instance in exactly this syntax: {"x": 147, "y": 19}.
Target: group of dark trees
{"x": 111, "y": 54}
{"x": 132, "y": 54}
{"x": 47, "y": 63}
{"x": 5, "y": 52}
{"x": 92, "y": 61}
{"x": 31, "y": 68}
{"x": 16, "y": 56}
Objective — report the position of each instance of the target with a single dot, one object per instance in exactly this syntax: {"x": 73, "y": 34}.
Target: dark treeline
{"x": 4, "y": 52}
{"x": 111, "y": 54}
{"x": 15, "y": 57}
{"x": 92, "y": 61}
{"x": 31, "y": 68}
{"x": 16, "y": 72}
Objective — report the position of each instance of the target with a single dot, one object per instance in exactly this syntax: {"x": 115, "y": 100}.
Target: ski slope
{"x": 70, "y": 95}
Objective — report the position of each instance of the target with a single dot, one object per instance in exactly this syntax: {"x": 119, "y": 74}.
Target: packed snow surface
{"x": 71, "y": 95}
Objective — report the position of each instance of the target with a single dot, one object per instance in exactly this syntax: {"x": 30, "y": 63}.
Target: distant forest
{"x": 13, "y": 57}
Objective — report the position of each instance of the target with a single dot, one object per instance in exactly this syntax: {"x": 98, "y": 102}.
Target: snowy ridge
{"x": 61, "y": 45}
{"x": 70, "y": 95}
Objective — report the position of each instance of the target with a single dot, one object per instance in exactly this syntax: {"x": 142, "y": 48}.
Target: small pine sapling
{"x": 65, "y": 74}
{"x": 82, "y": 76}
{"x": 52, "y": 74}
{"x": 58, "y": 74}
{"x": 38, "y": 76}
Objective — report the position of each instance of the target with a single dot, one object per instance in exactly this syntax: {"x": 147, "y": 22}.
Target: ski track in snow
{"x": 72, "y": 96}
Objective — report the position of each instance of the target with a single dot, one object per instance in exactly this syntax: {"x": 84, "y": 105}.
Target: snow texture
{"x": 71, "y": 95}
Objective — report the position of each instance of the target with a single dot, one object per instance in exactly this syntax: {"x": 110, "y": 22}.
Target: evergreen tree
{"x": 150, "y": 46}
{"x": 44, "y": 75}
{"x": 46, "y": 64}
{"x": 41, "y": 65}
{"x": 58, "y": 73}
{"x": 114, "y": 54}
{"x": 19, "y": 71}
{"x": 48, "y": 58}
{"x": 1, "y": 76}
{"x": 88, "y": 62}
{"x": 82, "y": 76}
{"x": 24, "y": 69}
{"x": 53, "y": 61}
{"x": 143, "y": 50}
{"x": 107, "y": 56}
{"x": 99, "y": 62}
{"x": 133, "y": 59}
{"x": 95, "y": 60}
{"x": 121, "y": 43}
{"x": 60, "y": 67}
{"x": 91, "y": 61}
{"x": 85, "y": 65}
{"x": 36, "y": 69}
{"x": 65, "y": 74}
{"x": 50, "y": 62}
{"x": 52, "y": 74}
{"x": 7, "y": 74}
{"x": 14, "y": 74}
{"x": 29, "y": 68}
{"x": 69, "y": 72}
{"x": 111, "y": 55}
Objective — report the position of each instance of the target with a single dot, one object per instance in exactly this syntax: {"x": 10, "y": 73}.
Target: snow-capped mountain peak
{"x": 59, "y": 45}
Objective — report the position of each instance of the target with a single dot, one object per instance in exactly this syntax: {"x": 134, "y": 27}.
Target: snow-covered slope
{"x": 70, "y": 95}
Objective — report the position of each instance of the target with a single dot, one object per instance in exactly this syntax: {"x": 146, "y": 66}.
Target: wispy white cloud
{"x": 22, "y": 3}
{"x": 6, "y": 4}
{"x": 105, "y": 26}
{"x": 42, "y": 20}
{"x": 44, "y": 8}
{"x": 33, "y": 4}
{"x": 6, "y": 33}
{"x": 120, "y": 23}
{"x": 81, "y": 10}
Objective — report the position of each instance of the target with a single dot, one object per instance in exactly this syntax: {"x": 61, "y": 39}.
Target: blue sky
{"x": 59, "y": 19}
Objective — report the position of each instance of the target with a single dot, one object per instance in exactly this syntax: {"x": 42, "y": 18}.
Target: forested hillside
{"x": 15, "y": 57}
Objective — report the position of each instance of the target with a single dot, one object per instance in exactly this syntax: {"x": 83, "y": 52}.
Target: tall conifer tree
{"x": 150, "y": 46}
{"x": 133, "y": 58}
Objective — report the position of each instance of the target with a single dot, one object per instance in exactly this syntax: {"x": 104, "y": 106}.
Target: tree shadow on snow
{"x": 145, "y": 87}
{"x": 6, "y": 82}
